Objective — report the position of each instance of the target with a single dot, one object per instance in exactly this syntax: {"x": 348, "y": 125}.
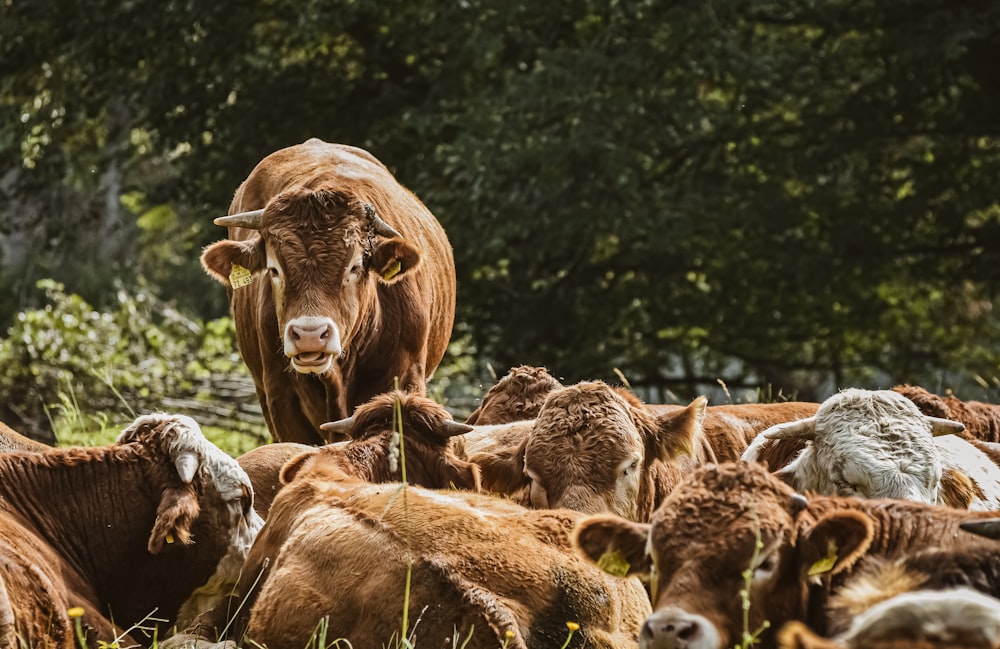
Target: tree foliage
{"x": 794, "y": 194}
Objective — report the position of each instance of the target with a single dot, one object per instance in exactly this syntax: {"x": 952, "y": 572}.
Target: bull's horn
{"x": 941, "y": 426}
{"x": 799, "y": 502}
{"x": 380, "y": 226}
{"x": 451, "y": 428}
{"x": 801, "y": 429}
{"x": 988, "y": 527}
{"x": 249, "y": 220}
{"x": 341, "y": 426}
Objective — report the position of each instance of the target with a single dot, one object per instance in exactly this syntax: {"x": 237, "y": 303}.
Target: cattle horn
{"x": 341, "y": 426}
{"x": 249, "y": 220}
{"x": 381, "y": 227}
{"x": 941, "y": 426}
{"x": 451, "y": 428}
{"x": 186, "y": 463}
{"x": 801, "y": 429}
{"x": 988, "y": 527}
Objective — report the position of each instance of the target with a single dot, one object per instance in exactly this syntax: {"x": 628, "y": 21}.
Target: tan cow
{"x": 733, "y": 527}
{"x": 373, "y": 453}
{"x": 340, "y": 281}
{"x": 518, "y": 395}
{"x": 593, "y": 448}
{"x": 148, "y": 531}
{"x": 12, "y": 441}
{"x": 482, "y": 572}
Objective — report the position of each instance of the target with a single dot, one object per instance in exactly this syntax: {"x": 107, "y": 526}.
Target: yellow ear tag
{"x": 240, "y": 276}
{"x": 614, "y": 563}
{"x": 826, "y": 563}
{"x": 170, "y": 537}
{"x": 391, "y": 270}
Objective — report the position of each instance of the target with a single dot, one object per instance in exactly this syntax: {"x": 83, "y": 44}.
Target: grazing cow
{"x": 877, "y": 444}
{"x": 951, "y": 619}
{"x": 594, "y": 448}
{"x": 149, "y": 531}
{"x": 373, "y": 453}
{"x": 340, "y": 282}
{"x": 476, "y": 571}
{"x": 517, "y": 396}
{"x": 736, "y": 527}
{"x": 12, "y": 441}
{"x": 982, "y": 420}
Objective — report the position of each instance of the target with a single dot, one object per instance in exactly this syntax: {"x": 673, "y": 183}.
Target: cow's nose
{"x": 677, "y": 629}
{"x": 310, "y": 336}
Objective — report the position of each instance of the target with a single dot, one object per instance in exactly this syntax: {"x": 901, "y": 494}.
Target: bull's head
{"x": 323, "y": 251}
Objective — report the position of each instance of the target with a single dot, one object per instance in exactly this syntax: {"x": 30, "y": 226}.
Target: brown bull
{"x": 340, "y": 281}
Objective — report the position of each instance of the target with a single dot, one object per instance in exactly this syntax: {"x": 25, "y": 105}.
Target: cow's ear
{"x": 178, "y": 510}
{"x": 835, "y": 542}
{"x": 224, "y": 257}
{"x": 616, "y": 545}
{"x": 679, "y": 430}
{"x": 503, "y": 469}
{"x": 393, "y": 258}
{"x": 292, "y": 467}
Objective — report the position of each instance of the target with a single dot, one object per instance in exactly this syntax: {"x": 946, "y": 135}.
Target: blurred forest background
{"x": 786, "y": 197}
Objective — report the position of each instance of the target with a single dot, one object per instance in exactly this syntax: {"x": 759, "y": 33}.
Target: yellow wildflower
{"x": 76, "y": 611}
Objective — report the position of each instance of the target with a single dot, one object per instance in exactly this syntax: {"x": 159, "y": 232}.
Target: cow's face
{"x": 725, "y": 531}
{"x": 321, "y": 253}
{"x": 869, "y": 444}
{"x": 590, "y": 450}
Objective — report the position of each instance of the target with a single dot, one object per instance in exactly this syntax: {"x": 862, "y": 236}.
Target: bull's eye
{"x": 765, "y": 568}
{"x": 354, "y": 274}
{"x": 274, "y": 272}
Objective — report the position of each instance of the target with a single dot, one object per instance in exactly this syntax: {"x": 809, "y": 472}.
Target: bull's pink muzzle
{"x": 312, "y": 343}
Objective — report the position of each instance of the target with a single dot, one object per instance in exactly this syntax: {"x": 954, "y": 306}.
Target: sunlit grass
{"x": 235, "y": 443}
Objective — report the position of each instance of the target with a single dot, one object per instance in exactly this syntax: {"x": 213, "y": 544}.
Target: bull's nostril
{"x": 687, "y": 631}
{"x": 326, "y": 334}
{"x": 647, "y": 630}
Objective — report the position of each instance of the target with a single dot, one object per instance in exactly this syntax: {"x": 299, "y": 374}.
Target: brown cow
{"x": 518, "y": 395}
{"x": 476, "y": 571}
{"x": 595, "y": 448}
{"x": 150, "y": 530}
{"x": 982, "y": 420}
{"x": 736, "y": 526}
{"x": 373, "y": 453}
{"x": 359, "y": 288}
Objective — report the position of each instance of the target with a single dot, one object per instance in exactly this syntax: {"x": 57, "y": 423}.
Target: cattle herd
{"x": 554, "y": 516}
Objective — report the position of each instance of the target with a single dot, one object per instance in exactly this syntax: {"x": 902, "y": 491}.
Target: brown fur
{"x": 98, "y": 528}
{"x": 518, "y": 395}
{"x": 481, "y": 567}
{"x": 577, "y": 452}
{"x": 430, "y": 461}
{"x": 702, "y": 538}
{"x": 982, "y": 420}
{"x": 395, "y": 328}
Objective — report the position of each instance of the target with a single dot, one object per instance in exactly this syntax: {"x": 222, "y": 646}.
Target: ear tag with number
{"x": 825, "y": 564}
{"x": 240, "y": 276}
{"x": 391, "y": 270}
{"x": 614, "y": 563}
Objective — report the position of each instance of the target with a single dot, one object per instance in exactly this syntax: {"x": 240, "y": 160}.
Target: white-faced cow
{"x": 340, "y": 281}
{"x": 877, "y": 444}
{"x": 475, "y": 571}
{"x": 736, "y": 526}
{"x": 149, "y": 531}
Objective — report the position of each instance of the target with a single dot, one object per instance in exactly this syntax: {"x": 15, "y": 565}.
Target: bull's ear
{"x": 835, "y": 542}
{"x": 678, "y": 430}
{"x": 220, "y": 258}
{"x": 616, "y": 545}
{"x": 503, "y": 469}
{"x": 291, "y": 468}
{"x": 393, "y": 258}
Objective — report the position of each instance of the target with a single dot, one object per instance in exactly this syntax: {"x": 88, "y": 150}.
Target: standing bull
{"x": 340, "y": 280}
